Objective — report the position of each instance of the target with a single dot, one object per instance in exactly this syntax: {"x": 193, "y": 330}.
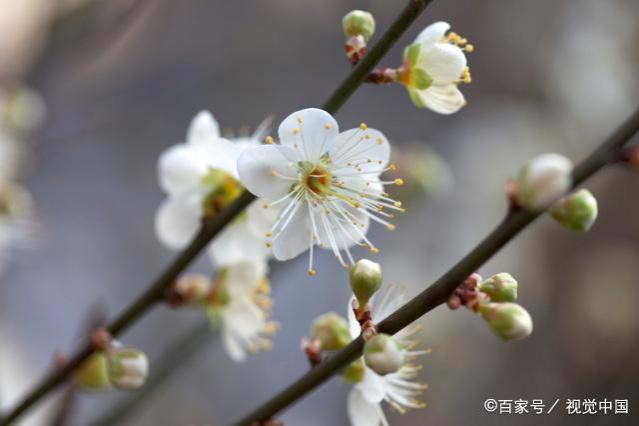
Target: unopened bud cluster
{"x": 494, "y": 300}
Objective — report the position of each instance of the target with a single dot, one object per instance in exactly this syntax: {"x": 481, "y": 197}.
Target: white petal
{"x": 353, "y": 325}
{"x": 359, "y": 147}
{"x": 256, "y": 166}
{"x": 233, "y": 347}
{"x": 310, "y": 131}
{"x": 202, "y": 129}
{"x": 348, "y": 234}
{"x": 442, "y": 99}
{"x": 295, "y": 238}
{"x": 181, "y": 169}
{"x": 178, "y": 219}
{"x": 237, "y": 243}
{"x": 244, "y": 277}
{"x": 222, "y": 154}
{"x": 259, "y": 219}
{"x": 432, "y": 34}
{"x": 443, "y": 62}
{"x": 372, "y": 386}
{"x": 361, "y": 412}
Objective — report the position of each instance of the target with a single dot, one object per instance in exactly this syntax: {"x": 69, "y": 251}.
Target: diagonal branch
{"x": 440, "y": 290}
{"x": 212, "y": 227}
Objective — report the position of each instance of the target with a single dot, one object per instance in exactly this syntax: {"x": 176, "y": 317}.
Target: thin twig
{"x": 212, "y": 227}
{"x": 440, "y": 290}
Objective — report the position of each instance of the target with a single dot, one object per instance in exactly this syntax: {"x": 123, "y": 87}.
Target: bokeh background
{"x": 121, "y": 81}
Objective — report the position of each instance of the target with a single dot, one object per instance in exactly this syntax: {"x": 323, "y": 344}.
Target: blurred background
{"x": 120, "y": 81}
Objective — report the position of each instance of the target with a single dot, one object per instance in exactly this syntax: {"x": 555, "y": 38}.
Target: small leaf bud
{"x": 366, "y": 279}
{"x": 500, "y": 287}
{"x": 576, "y": 211}
{"x": 383, "y": 354}
{"x": 507, "y": 320}
{"x": 543, "y": 180}
{"x": 354, "y": 373}
{"x": 358, "y": 22}
{"x": 331, "y": 330}
{"x": 92, "y": 374}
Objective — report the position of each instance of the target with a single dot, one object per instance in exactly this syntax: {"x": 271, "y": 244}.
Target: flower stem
{"x": 440, "y": 290}
{"x": 211, "y": 228}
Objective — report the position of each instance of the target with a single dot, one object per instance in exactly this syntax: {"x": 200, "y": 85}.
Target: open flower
{"x": 325, "y": 183}
{"x": 200, "y": 178}
{"x": 239, "y": 303}
{"x": 433, "y": 67}
{"x": 396, "y": 389}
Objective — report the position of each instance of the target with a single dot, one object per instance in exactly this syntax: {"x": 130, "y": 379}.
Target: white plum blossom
{"x": 433, "y": 67}
{"x": 326, "y": 184}
{"x": 200, "y": 178}
{"x": 398, "y": 389}
{"x": 240, "y": 305}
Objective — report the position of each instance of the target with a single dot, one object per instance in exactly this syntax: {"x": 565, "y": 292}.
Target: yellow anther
{"x": 327, "y": 126}
{"x": 312, "y": 272}
{"x": 392, "y": 167}
{"x": 265, "y": 205}
{"x": 269, "y": 245}
{"x": 273, "y": 173}
{"x": 391, "y": 227}
{"x": 399, "y": 182}
{"x": 369, "y": 161}
{"x": 299, "y": 119}
{"x": 296, "y": 130}
{"x": 356, "y": 205}
{"x": 269, "y": 140}
{"x": 269, "y": 234}
{"x": 374, "y": 250}
{"x": 367, "y": 136}
{"x": 363, "y": 126}
{"x": 380, "y": 141}
{"x": 397, "y": 204}
{"x": 469, "y": 48}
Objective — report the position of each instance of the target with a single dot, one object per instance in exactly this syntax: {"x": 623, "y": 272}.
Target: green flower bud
{"x": 576, "y": 211}
{"x": 543, "y": 180}
{"x": 331, "y": 330}
{"x": 354, "y": 373}
{"x": 92, "y": 374}
{"x": 384, "y": 354}
{"x": 500, "y": 288}
{"x": 366, "y": 279}
{"x": 507, "y": 320}
{"x": 128, "y": 368}
{"x": 358, "y": 22}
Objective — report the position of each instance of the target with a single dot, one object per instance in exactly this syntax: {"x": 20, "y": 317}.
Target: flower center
{"x": 318, "y": 180}
{"x": 223, "y": 188}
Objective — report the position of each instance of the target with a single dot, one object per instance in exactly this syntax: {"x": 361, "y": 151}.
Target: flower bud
{"x": 543, "y": 180}
{"x": 507, "y": 320}
{"x": 500, "y": 288}
{"x": 92, "y": 374}
{"x": 331, "y": 330}
{"x": 383, "y": 354}
{"x": 366, "y": 279}
{"x": 354, "y": 373}
{"x": 576, "y": 211}
{"x": 358, "y": 22}
{"x": 127, "y": 368}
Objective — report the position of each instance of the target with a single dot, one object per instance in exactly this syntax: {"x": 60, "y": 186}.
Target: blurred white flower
{"x": 240, "y": 305}
{"x": 328, "y": 183}
{"x": 200, "y": 179}
{"x": 433, "y": 67}
{"x": 396, "y": 389}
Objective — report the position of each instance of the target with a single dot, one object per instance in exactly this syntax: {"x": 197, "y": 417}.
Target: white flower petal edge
{"x": 203, "y": 129}
{"x": 325, "y": 184}
{"x": 361, "y": 412}
{"x": 177, "y": 220}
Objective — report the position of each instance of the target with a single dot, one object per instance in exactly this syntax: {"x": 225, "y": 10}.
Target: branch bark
{"x": 440, "y": 290}
{"x": 211, "y": 228}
